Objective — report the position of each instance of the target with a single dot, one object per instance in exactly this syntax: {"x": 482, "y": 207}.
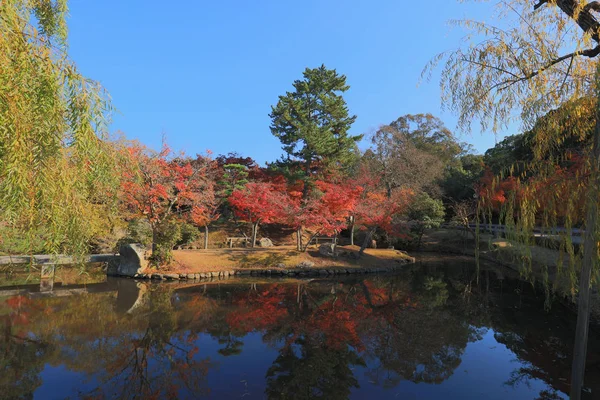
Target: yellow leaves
{"x": 511, "y": 71}
{"x": 52, "y": 165}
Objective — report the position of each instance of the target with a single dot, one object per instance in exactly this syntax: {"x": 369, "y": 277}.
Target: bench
{"x": 332, "y": 240}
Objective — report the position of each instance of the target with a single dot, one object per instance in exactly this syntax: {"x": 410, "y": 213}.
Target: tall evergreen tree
{"x": 312, "y": 123}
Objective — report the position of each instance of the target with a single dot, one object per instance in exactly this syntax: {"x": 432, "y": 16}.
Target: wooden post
{"x": 352, "y": 230}
{"x": 205, "y": 237}
{"x": 47, "y": 278}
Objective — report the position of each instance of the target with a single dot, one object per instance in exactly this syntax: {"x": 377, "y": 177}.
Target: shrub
{"x": 189, "y": 233}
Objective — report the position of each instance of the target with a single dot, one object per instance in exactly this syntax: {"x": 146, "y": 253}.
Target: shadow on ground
{"x": 270, "y": 259}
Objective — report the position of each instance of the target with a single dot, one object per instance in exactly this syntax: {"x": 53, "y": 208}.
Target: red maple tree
{"x": 161, "y": 187}
{"x": 325, "y": 211}
{"x": 377, "y": 207}
{"x": 257, "y": 203}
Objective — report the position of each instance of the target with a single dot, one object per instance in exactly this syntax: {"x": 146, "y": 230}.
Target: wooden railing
{"x": 56, "y": 259}
{"x": 48, "y": 264}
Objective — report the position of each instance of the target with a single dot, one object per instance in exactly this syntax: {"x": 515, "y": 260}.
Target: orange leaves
{"x": 494, "y": 191}
{"x": 376, "y": 209}
{"x": 258, "y": 202}
{"x": 337, "y": 321}
{"x": 547, "y": 185}
{"x": 328, "y": 207}
{"x": 17, "y": 302}
{"x": 260, "y": 313}
{"x": 160, "y": 185}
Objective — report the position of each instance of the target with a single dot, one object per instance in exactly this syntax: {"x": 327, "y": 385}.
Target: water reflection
{"x": 430, "y": 332}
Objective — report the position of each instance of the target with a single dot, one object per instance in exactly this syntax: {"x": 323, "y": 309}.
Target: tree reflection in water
{"x": 330, "y": 338}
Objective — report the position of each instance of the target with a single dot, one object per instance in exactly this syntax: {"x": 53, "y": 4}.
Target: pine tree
{"x": 312, "y": 123}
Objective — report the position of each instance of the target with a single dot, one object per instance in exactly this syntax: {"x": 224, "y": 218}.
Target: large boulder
{"x": 132, "y": 260}
{"x": 327, "y": 250}
{"x": 265, "y": 242}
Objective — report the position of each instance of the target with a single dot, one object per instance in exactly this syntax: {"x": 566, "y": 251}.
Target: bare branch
{"x": 581, "y": 15}
{"x": 590, "y": 53}
{"x": 594, "y": 6}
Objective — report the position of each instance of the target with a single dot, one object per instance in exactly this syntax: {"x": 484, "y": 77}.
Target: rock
{"x": 281, "y": 265}
{"x": 172, "y": 276}
{"x": 156, "y": 276}
{"x": 133, "y": 258}
{"x": 327, "y": 250}
{"x": 191, "y": 276}
{"x": 305, "y": 264}
{"x": 265, "y": 242}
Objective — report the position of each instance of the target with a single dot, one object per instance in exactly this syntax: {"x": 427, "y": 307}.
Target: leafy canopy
{"x": 312, "y": 122}
{"x": 56, "y": 169}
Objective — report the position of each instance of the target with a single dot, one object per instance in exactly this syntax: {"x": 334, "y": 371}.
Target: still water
{"x": 429, "y": 332}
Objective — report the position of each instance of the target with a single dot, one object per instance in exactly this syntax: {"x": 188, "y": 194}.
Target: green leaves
{"x": 56, "y": 172}
{"x": 312, "y": 122}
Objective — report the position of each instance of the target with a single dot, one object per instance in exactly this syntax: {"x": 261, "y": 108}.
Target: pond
{"x": 432, "y": 331}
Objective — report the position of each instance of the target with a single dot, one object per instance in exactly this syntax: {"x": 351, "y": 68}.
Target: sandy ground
{"x": 214, "y": 260}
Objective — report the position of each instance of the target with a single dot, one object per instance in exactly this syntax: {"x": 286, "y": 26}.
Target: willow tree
{"x": 55, "y": 174}
{"x": 542, "y": 56}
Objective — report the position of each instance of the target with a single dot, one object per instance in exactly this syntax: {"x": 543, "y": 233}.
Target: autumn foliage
{"x": 161, "y": 187}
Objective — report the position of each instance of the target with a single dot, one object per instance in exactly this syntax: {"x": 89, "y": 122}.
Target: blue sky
{"x": 207, "y": 73}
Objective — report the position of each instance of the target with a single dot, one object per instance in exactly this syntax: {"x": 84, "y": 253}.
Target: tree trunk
{"x": 420, "y": 240}
{"x": 254, "y": 233}
{"x": 205, "y": 237}
{"x": 154, "y": 240}
{"x": 365, "y": 243}
{"x": 304, "y": 248}
{"x": 590, "y": 253}
{"x": 307, "y": 164}
{"x": 335, "y": 241}
{"x": 299, "y": 239}
{"x": 352, "y": 230}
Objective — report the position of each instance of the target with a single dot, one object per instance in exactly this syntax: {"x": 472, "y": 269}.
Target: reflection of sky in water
{"x": 485, "y": 368}
{"x": 429, "y": 343}
{"x": 486, "y": 365}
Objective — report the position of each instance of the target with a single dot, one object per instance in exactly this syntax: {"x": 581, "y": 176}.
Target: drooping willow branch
{"x": 582, "y": 15}
{"x": 590, "y": 53}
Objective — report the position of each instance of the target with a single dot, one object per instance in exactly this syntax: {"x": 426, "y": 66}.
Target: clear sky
{"x": 206, "y": 73}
